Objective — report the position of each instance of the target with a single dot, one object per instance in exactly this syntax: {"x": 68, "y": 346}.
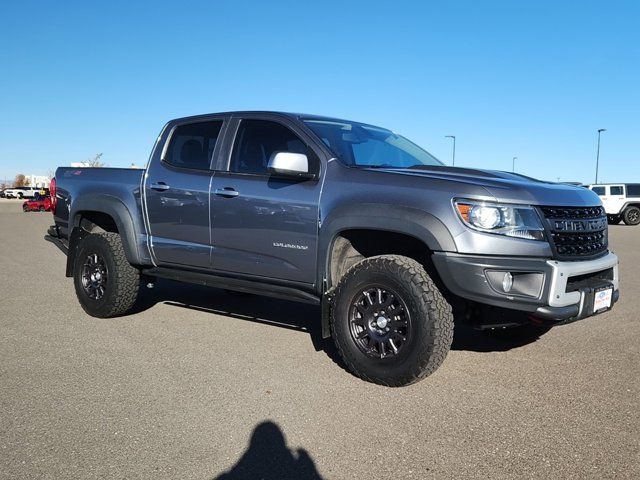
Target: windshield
{"x": 361, "y": 145}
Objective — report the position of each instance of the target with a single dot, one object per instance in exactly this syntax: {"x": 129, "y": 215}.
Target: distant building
{"x": 41, "y": 181}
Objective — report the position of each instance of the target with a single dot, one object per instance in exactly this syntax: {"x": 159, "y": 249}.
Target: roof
{"x": 616, "y": 183}
{"x": 292, "y": 115}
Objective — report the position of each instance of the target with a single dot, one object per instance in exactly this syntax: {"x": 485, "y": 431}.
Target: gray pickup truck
{"x": 353, "y": 217}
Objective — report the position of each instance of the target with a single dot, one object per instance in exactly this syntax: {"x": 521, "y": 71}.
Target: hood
{"x": 507, "y": 187}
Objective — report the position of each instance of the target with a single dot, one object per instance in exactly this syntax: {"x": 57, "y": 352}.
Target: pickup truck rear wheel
{"x": 390, "y": 323}
{"x": 631, "y": 216}
{"x": 106, "y": 284}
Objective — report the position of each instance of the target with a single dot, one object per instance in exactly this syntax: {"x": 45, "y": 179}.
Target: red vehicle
{"x": 39, "y": 204}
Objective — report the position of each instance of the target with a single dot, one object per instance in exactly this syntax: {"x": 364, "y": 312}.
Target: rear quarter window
{"x": 633, "y": 190}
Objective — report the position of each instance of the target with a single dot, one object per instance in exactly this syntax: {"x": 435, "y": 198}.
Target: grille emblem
{"x": 579, "y": 225}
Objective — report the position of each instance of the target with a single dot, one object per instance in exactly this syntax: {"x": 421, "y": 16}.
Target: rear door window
{"x": 616, "y": 190}
{"x": 192, "y": 145}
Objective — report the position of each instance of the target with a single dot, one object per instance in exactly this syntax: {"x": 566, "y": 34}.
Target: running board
{"x": 232, "y": 283}
{"x": 52, "y": 237}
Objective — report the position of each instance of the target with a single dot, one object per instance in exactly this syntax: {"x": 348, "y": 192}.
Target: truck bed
{"x": 82, "y": 189}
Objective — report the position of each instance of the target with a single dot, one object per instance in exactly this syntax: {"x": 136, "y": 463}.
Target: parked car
{"x": 621, "y": 201}
{"x": 39, "y": 204}
{"x": 21, "y": 192}
{"x": 353, "y": 217}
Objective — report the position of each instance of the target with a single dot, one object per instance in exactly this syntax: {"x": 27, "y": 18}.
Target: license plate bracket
{"x": 602, "y": 299}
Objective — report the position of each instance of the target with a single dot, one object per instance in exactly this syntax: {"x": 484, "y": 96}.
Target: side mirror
{"x": 290, "y": 164}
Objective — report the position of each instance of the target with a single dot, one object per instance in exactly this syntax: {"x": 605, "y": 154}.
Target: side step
{"x": 232, "y": 283}
{"x": 53, "y": 236}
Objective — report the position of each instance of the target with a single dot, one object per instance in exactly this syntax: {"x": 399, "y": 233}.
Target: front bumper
{"x": 549, "y": 289}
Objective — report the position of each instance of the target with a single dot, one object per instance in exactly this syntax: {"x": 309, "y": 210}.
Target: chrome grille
{"x": 576, "y": 232}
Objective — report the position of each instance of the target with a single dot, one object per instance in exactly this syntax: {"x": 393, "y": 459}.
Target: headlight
{"x": 518, "y": 221}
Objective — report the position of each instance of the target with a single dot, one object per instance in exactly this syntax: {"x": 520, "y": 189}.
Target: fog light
{"x": 507, "y": 282}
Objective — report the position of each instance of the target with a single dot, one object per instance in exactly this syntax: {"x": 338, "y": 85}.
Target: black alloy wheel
{"x": 380, "y": 322}
{"x": 94, "y": 276}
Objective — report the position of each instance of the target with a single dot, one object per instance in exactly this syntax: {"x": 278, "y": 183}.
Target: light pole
{"x": 600, "y": 130}
{"x": 453, "y": 164}
{"x": 513, "y": 164}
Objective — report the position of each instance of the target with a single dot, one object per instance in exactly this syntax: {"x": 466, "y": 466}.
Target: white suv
{"x": 621, "y": 201}
{"x": 21, "y": 192}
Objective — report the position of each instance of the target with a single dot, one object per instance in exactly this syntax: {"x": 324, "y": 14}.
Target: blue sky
{"x": 534, "y": 79}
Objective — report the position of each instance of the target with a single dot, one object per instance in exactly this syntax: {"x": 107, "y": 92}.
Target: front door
{"x": 177, "y": 196}
{"x": 263, "y": 225}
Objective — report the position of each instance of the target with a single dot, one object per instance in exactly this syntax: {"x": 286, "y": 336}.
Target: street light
{"x": 513, "y": 164}
{"x": 453, "y": 164}
{"x": 600, "y": 130}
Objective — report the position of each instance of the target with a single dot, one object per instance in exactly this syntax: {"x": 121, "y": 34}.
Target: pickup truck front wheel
{"x": 106, "y": 284}
{"x": 390, "y": 323}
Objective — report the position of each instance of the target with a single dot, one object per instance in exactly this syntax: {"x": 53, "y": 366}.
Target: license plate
{"x": 602, "y": 299}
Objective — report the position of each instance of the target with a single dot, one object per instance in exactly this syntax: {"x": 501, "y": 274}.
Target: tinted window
{"x": 633, "y": 190}
{"x": 257, "y": 140}
{"x": 598, "y": 190}
{"x": 616, "y": 190}
{"x": 192, "y": 145}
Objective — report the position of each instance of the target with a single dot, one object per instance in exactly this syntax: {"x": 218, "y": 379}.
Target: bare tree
{"x": 95, "y": 161}
{"x": 21, "y": 180}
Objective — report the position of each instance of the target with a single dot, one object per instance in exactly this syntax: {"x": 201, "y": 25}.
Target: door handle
{"x": 160, "y": 186}
{"x": 226, "y": 192}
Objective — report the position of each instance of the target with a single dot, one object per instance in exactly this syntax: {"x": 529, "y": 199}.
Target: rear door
{"x": 177, "y": 194}
{"x": 616, "y": 199}
{"x": 261, "y": 224}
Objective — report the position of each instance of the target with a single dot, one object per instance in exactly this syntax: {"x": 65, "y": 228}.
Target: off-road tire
{"x": 123, "y": 280}
{"x": 430, "y": 315}
{"x": 631, "y": 216}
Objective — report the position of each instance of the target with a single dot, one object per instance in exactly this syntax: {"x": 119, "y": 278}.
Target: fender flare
{"x": 629, "y": 204}
{"x": 117, "y": 210}
{"x": 391, "y": 218}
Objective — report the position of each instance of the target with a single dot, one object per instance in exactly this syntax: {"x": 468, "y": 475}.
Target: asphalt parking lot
{"x": 202, "y": 383}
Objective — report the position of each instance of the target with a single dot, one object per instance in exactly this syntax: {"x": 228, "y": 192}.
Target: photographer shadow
{"x": 267, "y": 457}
